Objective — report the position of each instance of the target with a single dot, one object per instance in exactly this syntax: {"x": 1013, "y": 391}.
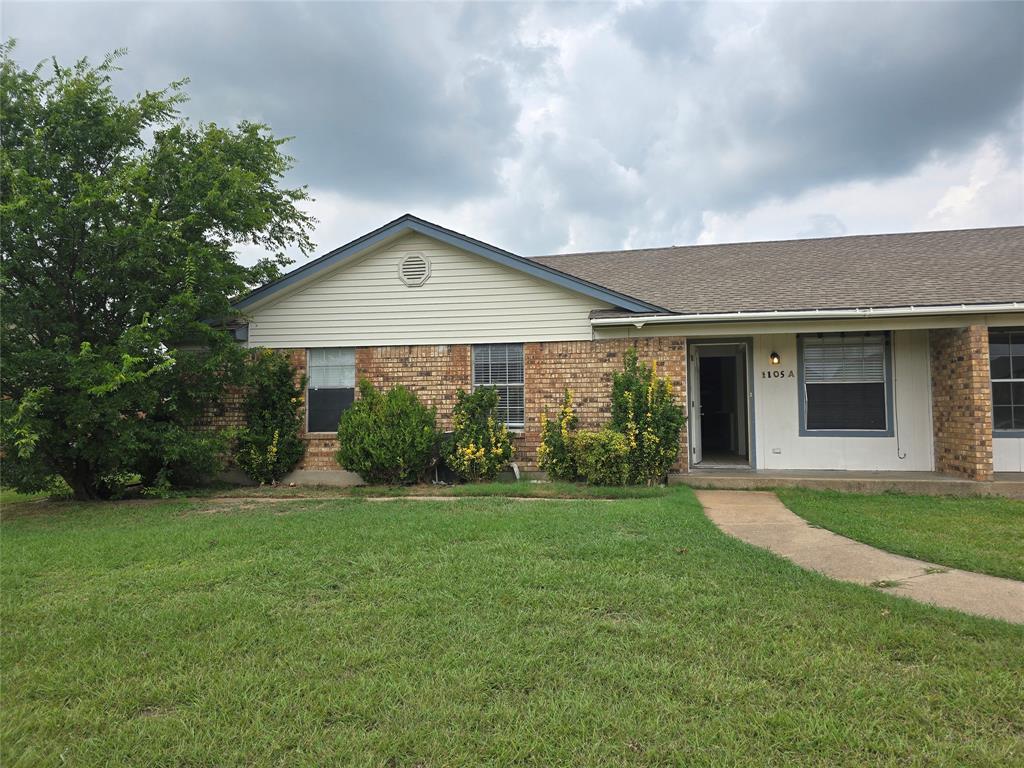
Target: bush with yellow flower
{"x": 480, "y": 446}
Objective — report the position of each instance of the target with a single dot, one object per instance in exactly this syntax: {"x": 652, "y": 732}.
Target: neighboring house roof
{"x": 409, "y": 223}
{"x": 969, "y": 266}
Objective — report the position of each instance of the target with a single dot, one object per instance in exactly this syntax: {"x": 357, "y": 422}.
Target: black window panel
{"x": 846, "y": 406}
{"x": 999, "y": 356}
{"x": 325, "y": 407}
{"x": 1017, "y": 354}
{"x": 1006, "y": 354}
{"x": 1002, "y": 393}
{"x": 1002, "y": 417}
{"x": 1008, "y": 404}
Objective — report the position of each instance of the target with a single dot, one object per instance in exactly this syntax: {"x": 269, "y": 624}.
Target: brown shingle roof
{"x": 968, "y": 266}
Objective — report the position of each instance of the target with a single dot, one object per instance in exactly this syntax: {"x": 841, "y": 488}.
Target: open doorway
{"x": 719, "y": 404}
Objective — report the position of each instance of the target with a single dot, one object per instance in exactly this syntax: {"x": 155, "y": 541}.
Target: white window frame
{"x": 515, "y": 426}
{"x": 310, "y": 353}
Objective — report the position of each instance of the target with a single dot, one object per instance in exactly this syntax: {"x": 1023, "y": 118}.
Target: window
{"x": 844, "y": 379}
{"x": 331, "y": 387}
{"x": 501, "y": 366}
{"x": 1006, "y": 358}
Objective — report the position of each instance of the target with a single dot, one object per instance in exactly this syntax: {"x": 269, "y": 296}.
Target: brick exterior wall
{"x": 230, "y": 413}
{"x": 586, "y": 368}
{"x": 962, "y": 401}
{"x": 435, "y": 372}
{"x": 432, "y": 372}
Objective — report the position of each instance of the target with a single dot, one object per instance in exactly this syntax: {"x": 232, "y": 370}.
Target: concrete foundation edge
{"x": 925, "y": 487}
{"x": 340, "y": 478}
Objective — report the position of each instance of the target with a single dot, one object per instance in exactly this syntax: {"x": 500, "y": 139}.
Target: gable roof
{"x": 968, "y": 266}
{"x": 408, "y": 223}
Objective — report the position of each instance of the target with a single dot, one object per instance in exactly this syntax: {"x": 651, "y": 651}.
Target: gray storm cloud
{"x": 551, "y": 119}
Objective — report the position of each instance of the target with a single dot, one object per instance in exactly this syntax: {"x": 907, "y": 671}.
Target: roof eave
{"x": 809, "y": 314}
{"x": 409, "y": 223}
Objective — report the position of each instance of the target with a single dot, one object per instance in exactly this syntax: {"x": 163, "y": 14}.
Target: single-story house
{"x": 899, "y": 352}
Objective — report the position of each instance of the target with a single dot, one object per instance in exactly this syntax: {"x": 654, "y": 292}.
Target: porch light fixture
{"x": 775, "y": 358}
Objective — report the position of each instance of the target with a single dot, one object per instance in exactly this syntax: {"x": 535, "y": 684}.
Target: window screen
{"x": 1006, "y": 358}
{"x": 501, "y": 366}
{"x": 331, "y": 387}
{"x": 844, "y": 382}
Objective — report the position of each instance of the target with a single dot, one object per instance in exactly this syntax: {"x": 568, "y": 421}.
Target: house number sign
{"x": 775, "y": 373}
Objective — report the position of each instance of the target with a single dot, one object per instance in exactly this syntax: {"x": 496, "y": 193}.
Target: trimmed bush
{"x": 555, "y": 454}
{"x": 602, "y": 456}
{"x": 480, "y": 446}
{"x": 388, "y": 437}
{"x": 645, "y": 412}
{"x": 270, "y": 445}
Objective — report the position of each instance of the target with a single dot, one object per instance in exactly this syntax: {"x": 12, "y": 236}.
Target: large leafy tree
{"x": 120, "y": 224}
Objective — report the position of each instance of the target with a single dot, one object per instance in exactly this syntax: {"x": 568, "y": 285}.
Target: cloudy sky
{"x": 568, "y": 127}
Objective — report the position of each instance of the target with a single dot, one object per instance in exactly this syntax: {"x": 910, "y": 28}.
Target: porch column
{"x": 962, "y": 401}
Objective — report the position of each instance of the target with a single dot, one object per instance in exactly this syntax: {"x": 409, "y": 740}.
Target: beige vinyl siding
{"x": 467, "y": 299}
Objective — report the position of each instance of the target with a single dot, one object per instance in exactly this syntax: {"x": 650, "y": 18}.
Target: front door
{"x": 719, "y": 404}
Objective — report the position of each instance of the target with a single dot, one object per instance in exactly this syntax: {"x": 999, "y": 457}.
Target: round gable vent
{"x": 414, "y": 269}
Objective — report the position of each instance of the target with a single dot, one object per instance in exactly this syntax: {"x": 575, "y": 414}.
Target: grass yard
{"x": 10, "y": 496}
{"x": 976, "y": 534}
{"x": 517, "y": 489}
{"x": 471, "y": 631}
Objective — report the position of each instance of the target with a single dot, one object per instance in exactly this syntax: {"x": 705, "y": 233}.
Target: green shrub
{"x": 259, "y": 459}
{"x": 270, "y": 445}
{"x": 645, "y": 412}
{"x": 555, "y": 454}
{"x": 480, "y": 446}
{"x": 184, "y": 457}
{"x": 388, "y": 437}
{"x": 602, "y": 456}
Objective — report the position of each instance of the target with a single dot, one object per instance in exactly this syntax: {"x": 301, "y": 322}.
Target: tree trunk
{"x": 82, "y": 482}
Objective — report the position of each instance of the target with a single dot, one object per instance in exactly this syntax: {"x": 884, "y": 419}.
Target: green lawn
{"x": 518, "y": 489}
{"x": 976, "y": 534}
{"x": 10, "y": 496}
{"x": 467, "y": 632}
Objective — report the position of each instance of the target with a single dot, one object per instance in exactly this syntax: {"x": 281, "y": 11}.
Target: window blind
{"x": 844, "y": 360}
{"x": 332, "y": 368}
{"x": 844, "y": 383}
{"x": 501, "y": 366}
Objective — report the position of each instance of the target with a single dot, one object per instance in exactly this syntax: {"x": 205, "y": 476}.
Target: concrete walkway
{"x": 759, "y": 518}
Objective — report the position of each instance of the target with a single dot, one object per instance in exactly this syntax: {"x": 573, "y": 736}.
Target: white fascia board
{"x": 810, "y": 314}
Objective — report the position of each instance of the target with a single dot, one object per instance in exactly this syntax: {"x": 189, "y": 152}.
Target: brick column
{"x": 962, "y": 401}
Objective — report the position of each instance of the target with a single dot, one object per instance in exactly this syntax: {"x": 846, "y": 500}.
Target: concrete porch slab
{"x": 1010, "y": 485}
